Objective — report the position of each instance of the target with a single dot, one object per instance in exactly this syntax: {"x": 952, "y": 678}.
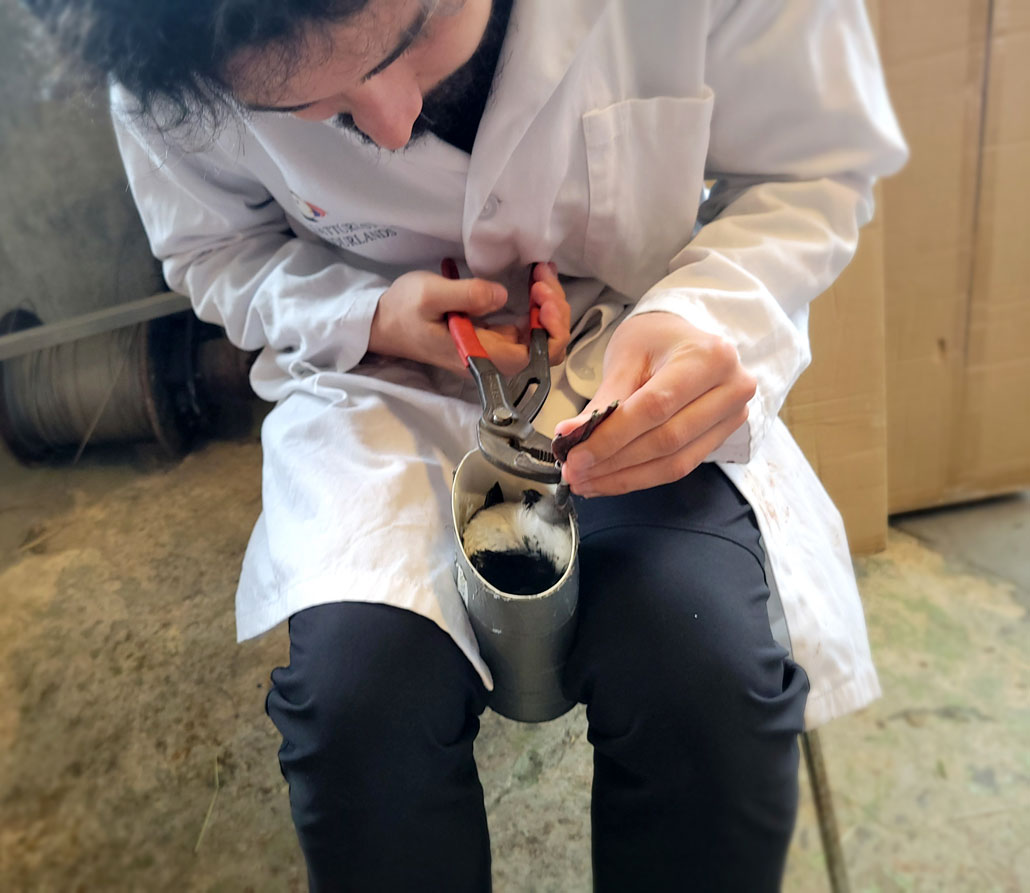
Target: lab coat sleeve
{"x": 802, "y": 127}
{"x": 227, "y": 244}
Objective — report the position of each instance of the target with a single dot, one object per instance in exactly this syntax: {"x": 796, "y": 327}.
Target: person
{"x": 679, "y": 180}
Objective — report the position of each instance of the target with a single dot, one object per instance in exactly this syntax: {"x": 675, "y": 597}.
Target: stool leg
{"x": 832, "y": 849}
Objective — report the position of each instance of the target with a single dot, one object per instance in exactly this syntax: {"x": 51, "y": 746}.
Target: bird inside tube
{"x": 521, "y": 547}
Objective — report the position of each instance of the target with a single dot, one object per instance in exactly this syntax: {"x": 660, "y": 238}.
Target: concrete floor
{"x": 135, "y": 754}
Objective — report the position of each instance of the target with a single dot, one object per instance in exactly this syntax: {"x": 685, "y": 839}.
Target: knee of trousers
{"x": 674, "y": 625}
{"x": 370, "y": 687}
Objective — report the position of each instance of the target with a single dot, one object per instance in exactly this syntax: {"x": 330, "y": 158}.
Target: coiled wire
{"x": 88, "y": 391}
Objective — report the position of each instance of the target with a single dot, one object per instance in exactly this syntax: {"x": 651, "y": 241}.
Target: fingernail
{"x": 499, "y": 293}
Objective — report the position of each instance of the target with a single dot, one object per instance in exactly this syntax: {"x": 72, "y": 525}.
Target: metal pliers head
{"x": 505, "y": 432}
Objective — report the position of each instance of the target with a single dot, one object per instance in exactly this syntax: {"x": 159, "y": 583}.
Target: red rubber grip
{"x": 463, "y": 333}
{"x": 534, "y": 309}
{"x": 534, "y": 316}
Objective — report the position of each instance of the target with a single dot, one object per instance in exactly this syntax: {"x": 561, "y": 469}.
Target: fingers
{"x": 555, "y": 320}
{"x": 714, "y": 408}
{"x": 502, "y": 344}
{"x": 664, "y": 470}
{"x": 506, "y": 352}
{"x": 617, "y": 385}
{"x": 682, "y": 392}
{"x": 509, "y": 332}
{"x": 645, "y": 408}
{"x": 476, "y": 297}
{"x": 410, "y": 320}
{"x": 546, "y": 292}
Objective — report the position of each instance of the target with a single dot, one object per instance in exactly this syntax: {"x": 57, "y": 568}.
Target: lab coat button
{"x": 490, "y": 208}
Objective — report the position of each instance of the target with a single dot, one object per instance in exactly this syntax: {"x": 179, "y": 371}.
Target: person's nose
{"x": 387, "y": 109}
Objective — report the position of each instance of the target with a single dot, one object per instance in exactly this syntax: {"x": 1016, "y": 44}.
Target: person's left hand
{"x": 682, "y": 392}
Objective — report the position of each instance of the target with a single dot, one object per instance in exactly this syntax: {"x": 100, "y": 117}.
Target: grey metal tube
{"x": 524, "y": 639}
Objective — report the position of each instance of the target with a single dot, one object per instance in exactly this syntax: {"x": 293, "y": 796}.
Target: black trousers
{"x": 693, "y": 713}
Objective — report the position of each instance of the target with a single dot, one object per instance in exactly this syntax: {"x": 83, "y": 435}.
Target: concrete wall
{"x": 70, "y": 237}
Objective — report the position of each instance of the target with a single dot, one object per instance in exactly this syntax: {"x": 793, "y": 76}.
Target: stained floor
{"x": 135, "y": 754}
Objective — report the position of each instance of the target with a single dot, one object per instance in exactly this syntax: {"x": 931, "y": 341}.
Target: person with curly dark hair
{"x": 302, "y": 167}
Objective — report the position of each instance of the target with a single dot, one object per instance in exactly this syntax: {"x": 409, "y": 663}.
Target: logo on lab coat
{"x": 307, "y": 210}
{"x": 345, "y": 235}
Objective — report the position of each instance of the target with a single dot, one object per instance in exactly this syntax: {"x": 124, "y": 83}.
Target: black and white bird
{"x": 519, "y": 547}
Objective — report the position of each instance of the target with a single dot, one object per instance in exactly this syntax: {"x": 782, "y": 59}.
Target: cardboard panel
{"x": 935, "y": 58}
{"x": 993, "y": 435}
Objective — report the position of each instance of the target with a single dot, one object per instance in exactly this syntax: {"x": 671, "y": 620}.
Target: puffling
{"x": 522, "y": 548}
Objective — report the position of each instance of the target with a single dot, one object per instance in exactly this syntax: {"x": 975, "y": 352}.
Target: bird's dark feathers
{"x": 531, "y": 497}
{"x": 494, "y": 497}
{"x": 517, "y": 573}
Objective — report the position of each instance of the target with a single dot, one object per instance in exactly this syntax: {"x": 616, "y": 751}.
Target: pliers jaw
{"x": 528, "y": 456}
{"x": 506, "y": 434}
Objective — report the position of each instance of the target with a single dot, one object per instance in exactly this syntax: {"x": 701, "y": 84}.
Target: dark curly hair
{"x": 171, "y": 55}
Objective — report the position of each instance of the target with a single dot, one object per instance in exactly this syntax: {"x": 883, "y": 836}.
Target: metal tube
{"x": 524, "y": 639}
{"x": 832, "y": 850}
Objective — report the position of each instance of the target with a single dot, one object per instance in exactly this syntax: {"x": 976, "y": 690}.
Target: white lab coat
{"x": 606, "y": 119}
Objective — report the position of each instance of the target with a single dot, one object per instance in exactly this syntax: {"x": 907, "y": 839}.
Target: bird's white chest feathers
{"x": 515, "y": 527}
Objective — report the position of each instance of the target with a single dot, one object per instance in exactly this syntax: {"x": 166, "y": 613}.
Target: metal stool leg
{"x": 817, "y": 777}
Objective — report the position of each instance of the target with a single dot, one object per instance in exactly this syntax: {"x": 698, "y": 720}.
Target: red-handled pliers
{"x": 505, "y": 432}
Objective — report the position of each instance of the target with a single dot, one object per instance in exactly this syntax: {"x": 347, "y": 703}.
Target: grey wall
{"x": 70, "y": 238}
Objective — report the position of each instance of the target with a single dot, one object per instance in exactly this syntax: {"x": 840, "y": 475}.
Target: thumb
{"x": 616, "y": 386}
{"x": 476, "y": 297}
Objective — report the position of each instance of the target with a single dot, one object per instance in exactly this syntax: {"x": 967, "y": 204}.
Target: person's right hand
{"x": 411, "y": 319}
